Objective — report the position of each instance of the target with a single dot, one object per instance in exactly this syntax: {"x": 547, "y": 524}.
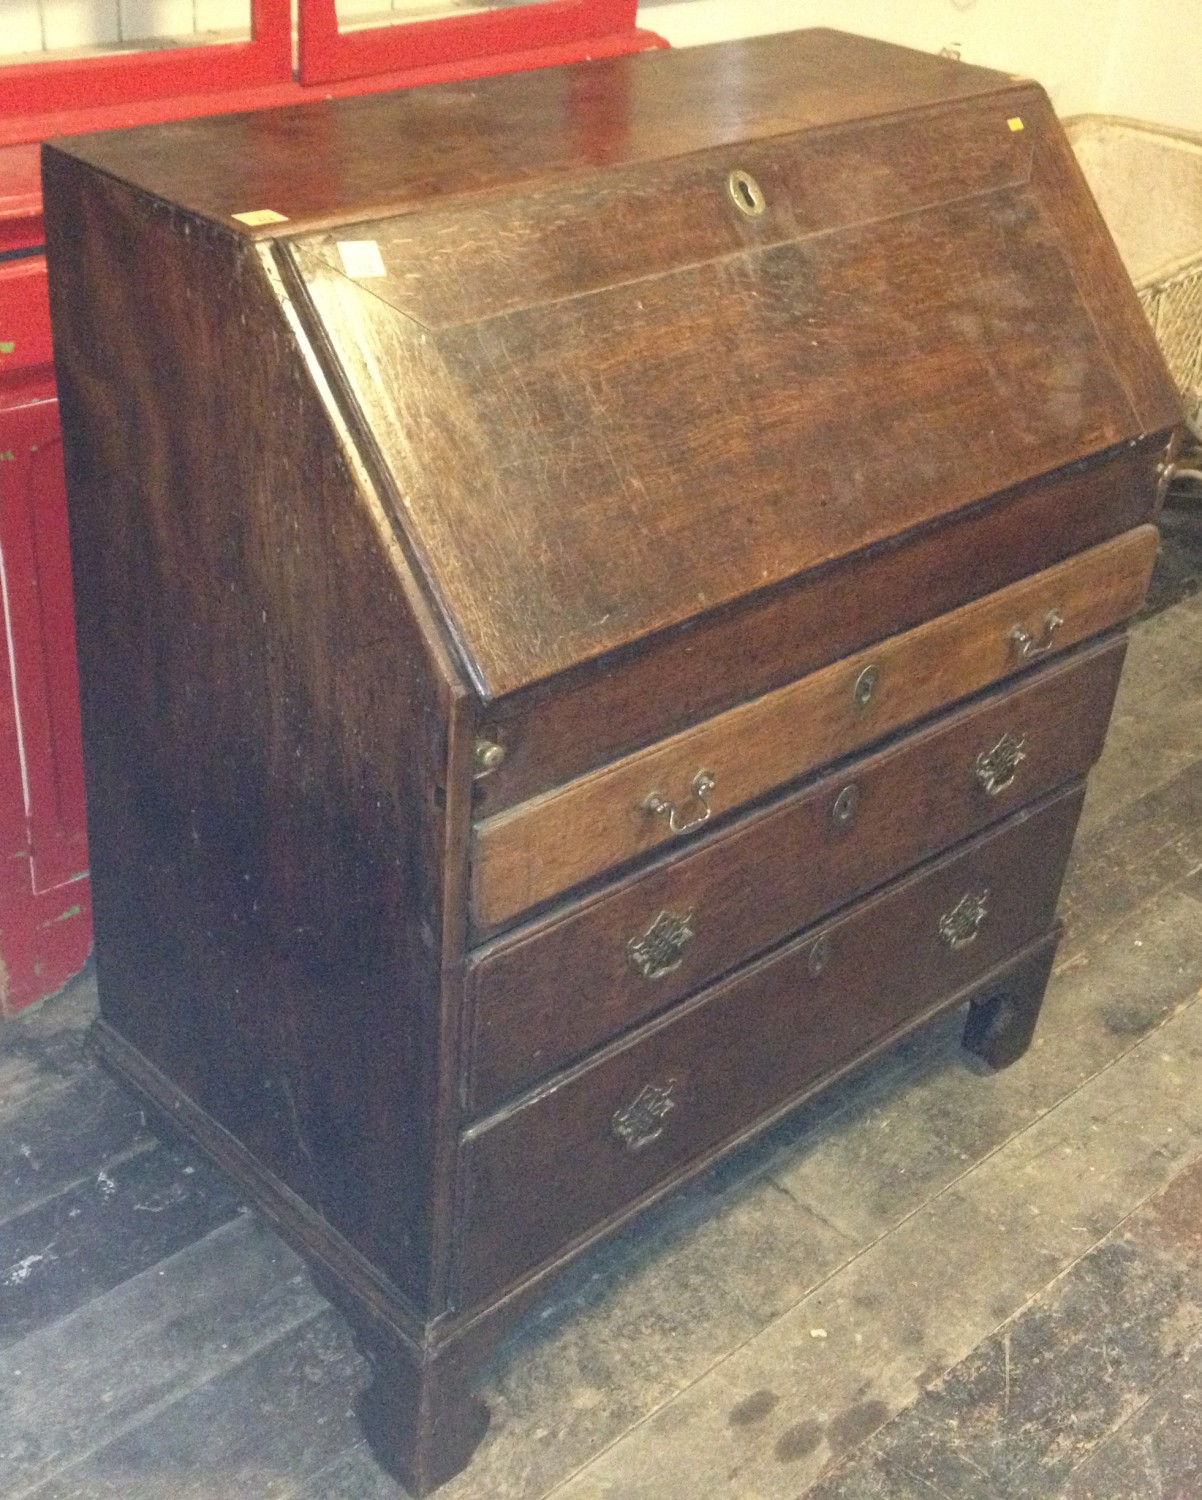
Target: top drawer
{"x": 533, "y": 852}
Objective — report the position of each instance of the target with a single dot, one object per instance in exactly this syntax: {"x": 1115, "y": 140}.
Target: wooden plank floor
{"x": 929, "y": 1284}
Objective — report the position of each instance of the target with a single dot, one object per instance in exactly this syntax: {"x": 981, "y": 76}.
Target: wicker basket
{"x": 1148, "y": 183}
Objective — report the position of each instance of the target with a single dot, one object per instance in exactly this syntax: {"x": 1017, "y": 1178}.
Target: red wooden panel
{"x": 40, "y": 620}
{"x": 24, "y": 317}
{"x": 45, "y": 897}
{"x": 20, "y": 198}
{"x": 530, "y": 35}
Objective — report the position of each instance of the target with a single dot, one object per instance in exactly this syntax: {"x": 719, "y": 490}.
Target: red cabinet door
{"x": 45, "y": 898}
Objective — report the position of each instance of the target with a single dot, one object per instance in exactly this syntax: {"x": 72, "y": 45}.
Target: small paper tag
{"x": 361, "y": 259}
{"x": 258, "y": 216}
{"x": 1015, "y": 123}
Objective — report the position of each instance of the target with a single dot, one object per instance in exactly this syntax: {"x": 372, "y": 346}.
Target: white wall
{"x": 41, "y": 26}
{"x": 1154, "y": 71}
{"x": 1091, "y": 55}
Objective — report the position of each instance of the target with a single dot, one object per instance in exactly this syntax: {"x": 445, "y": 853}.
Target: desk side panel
{"x": 266, "y": 725}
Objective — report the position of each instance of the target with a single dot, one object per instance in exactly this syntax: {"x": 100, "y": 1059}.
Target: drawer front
{"x": 551, "y": 994}
{"x": 555, "y": 733}
{"x": 596, "y": 1141}
{"x": 541, "y": 848}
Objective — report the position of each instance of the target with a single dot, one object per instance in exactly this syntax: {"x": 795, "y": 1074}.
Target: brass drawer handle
{"x": 657, "y": 804}
{"x": 997, "y": 768}
{"x": 1028, "y": 645}
{"x": 661, "y": 947}
{"x": 865, "y": 685}
{"x": 960, "y": 926}
{"x": 641, "y": 1121}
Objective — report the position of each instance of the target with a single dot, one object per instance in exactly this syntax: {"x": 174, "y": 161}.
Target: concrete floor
{"x": 931, "y": 1283}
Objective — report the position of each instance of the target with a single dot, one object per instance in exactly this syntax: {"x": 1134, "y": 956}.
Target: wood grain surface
{"x": 553, "y": 991}
{"x": 552, "y": 843}
{"x": 269, "y": 861}
{"x": 575, "y": 479}
{"x": 554, "y": 1166}
{"x": 596, "y": 713}
{"x": 352, "y": 159}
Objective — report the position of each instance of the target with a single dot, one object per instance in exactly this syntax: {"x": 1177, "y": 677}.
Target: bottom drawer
{"x": 598, "y": 1139}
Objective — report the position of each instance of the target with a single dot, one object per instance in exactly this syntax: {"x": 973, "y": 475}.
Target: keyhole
{"x": 846, "y": 804}
{"x": 745, "y": 192}
{"x": 865, "y": 686}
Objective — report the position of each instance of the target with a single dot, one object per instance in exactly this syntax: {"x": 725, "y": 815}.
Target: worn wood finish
{"x": 550, "y": 993}
{"x": 1100, "y": 276}
{"x": 736, "y": 1051}
{"x": 582, "y": 458}
{"x": 597, "y": 713}
{"x": 270, "y": 923}
{"x": 526, "y": 856}
{"x": 731, "y": 477}
{"x": 574, "y": 374}
{"x": 483, "y": 259}
{"x": 338, "y": 161}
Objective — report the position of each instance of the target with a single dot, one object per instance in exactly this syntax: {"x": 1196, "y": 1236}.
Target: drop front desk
{"x": 598, "y": 591}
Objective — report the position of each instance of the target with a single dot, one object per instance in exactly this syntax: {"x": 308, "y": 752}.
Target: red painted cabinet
{"x": 45, "y": 897}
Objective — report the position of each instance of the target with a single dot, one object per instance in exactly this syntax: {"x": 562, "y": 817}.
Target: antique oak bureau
{"x": 598, "y": 591}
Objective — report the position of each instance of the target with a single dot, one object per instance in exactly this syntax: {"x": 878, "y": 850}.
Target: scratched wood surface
{"x": 1045, "y": 1221}
{"x": 323, "y": 163}
{"x": 358, "y": 508}
{"x": 576, "y": 479}
{"x": 520, "y": 356}
{"x": 538, "y": 849}
{"x": 829, "y": 843}
{"x": 803, "y": 1011}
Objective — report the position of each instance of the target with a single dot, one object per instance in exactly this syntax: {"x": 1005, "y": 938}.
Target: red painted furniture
{"x": 45, "y": 896}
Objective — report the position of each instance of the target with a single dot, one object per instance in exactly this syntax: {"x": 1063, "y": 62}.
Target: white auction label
{"x": 361, "y": 259}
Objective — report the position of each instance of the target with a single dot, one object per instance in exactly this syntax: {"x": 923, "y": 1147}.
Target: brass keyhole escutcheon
{"x": 866, "y": 685}
{"x": 846, "y": 805}
{"x": 745, "y": 193}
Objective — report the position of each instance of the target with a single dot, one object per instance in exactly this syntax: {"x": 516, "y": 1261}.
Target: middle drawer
{"x": 550, "y": 993}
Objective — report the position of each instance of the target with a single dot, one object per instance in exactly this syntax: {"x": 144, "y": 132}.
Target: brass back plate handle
{"x": 658, "y": 805}
{"x": 1027, "y": 645}
{"x": 660, "y": 949}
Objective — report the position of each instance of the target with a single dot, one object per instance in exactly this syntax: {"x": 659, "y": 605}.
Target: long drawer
{"x": 597, "y": 1139}
{"x": 558, "y": 731}
{"x": 553, "y": 992}
{"x": 533, "y": 852}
